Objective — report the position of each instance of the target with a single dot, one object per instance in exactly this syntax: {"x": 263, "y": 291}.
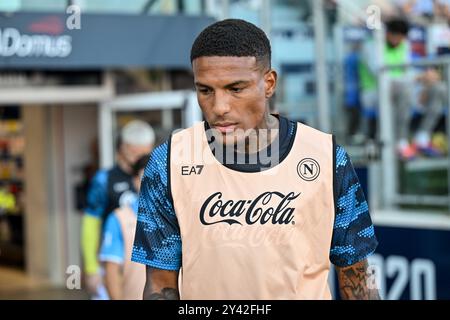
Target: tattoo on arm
{"x": 161, "y": 285}
{"x": 165, "y": 294}
{"x": 356, "y": 283}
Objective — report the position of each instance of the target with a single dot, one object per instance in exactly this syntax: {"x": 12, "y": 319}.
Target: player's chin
{"x": 233, "y": 139}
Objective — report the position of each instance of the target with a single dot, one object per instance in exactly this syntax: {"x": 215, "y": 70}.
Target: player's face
{"x": 233, "y": 93}
{"x": 131, "y": 153}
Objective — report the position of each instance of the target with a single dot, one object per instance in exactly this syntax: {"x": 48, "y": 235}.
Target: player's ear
{"x": 270, "y": 80}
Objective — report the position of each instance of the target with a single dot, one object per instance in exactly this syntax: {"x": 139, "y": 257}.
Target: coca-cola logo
{"x": 269, "y": 207}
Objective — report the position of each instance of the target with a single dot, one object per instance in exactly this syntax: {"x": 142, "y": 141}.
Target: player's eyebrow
{"x": 199, "y": 84}
{"x": 235, "y": 83}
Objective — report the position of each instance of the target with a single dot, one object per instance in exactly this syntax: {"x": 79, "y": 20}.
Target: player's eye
{"x": 236, "y": 90}
{"x": 204, "y": 90}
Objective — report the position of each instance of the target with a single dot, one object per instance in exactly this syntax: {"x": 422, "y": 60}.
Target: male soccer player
{"x": 263, "y": 221}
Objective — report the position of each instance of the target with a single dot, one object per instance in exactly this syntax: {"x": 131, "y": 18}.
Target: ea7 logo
{"x": 188, "y": 170}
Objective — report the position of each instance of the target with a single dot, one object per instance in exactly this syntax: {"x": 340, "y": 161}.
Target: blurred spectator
{"x": 442, "y": 10}
{"x": 416, "y": 10}
{"x": 111, "y": 189}
{"x": 402, "y": 85}
{"x": 124, "y": 279}
{"x": 396, "y": 51}
{"x": 432, "y": 102}
{"x": 423, "y": 11}
{"x": 351, "y": 92}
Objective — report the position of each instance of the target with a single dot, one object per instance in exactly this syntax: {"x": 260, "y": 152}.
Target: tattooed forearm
{"x": 161, "y": 285}
{"x": 165, "y": 294}
{"x": 354, "y": 282}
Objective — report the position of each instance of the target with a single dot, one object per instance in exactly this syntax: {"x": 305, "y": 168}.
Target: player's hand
{"x": 92, "y": 282}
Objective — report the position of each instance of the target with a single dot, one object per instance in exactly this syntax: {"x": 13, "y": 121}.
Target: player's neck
{"x": 264, "y": 135}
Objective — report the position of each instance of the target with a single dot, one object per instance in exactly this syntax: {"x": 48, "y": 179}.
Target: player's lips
{"x": 225, "y": 127}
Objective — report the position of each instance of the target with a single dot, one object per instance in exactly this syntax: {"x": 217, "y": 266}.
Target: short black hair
{"x": 233, "y": 38}
{"x": 140, "y": 164}
{"x": 398, "y": 26}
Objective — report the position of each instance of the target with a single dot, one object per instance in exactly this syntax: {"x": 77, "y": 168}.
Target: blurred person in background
{"x": 417, "y": 11}
{"x": 424, "y": 11}
{"x": 396, "y": 51}
{"x": 124, "y": 279}
{"x": 432, "y": 103}
{"x": 404, "y": 83}
{"x": 442, "y": 10}
{"x": 352, "y": 102}
{"x": 111, "y": 189}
